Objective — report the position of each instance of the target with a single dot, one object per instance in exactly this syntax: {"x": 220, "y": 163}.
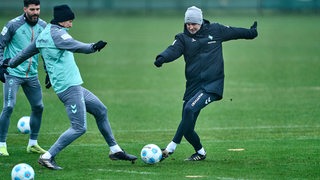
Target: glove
{"x": 3, "y": 70}
{"x": 159, "y": 61}
{"x": 254, "y": 25}
{"x": 47, "y": 82}
{"x": 99, "y": 45}
{"x": 5, "y": 63}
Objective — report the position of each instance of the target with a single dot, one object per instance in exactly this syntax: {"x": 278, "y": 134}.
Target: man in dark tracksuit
{"x": 201, "y": 46}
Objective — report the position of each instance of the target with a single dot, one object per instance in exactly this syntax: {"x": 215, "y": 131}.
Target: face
{"x": 32, "y": 12}
{"x": 66, "y": 24}
{"x": 193, "y": 27}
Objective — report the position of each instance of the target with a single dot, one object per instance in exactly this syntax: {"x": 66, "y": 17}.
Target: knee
{"x": 7, "y": 110}
{"x": 188, "y": 109}
{"x": 101, "y": 113}
{"x": 81, "y": 130}
{"x": 38, "y": 108}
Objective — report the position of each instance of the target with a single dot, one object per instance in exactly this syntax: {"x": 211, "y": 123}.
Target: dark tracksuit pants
{"x": 190, "y": 112}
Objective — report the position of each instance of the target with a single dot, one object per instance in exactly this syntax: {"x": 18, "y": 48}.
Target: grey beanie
{"x": 193, "y": 15}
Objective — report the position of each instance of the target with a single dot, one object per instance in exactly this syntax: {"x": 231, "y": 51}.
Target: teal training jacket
{"x": 16, "y": 35}
{"x": 57, "y": 47}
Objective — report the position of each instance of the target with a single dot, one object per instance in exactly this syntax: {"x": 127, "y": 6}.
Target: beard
{"x": 34, "y": 18}
{"x": 31, "y": 20}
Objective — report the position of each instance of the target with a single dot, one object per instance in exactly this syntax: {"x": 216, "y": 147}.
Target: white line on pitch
{"x": 122, "y": 171}
{"x": 198, "y": 129}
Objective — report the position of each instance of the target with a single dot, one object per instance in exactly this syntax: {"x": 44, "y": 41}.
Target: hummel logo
{"x": 210, "y": 37}
{"x": 74, "y": 108}
{"x": 208, "y": 100}
{"x": 193, "y": 40}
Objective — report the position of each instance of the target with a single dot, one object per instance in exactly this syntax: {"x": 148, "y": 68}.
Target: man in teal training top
{"x": 57, "y": 47}
{"x": 16, "y": 35}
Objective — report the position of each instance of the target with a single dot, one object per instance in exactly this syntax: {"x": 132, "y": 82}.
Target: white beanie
{"x": 193, "y": 15}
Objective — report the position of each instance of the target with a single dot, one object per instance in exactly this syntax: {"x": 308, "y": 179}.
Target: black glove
{"x": 47, "y": 82}
{"x": 99, "y": 45}
{"x": 159, "y": 61}
{"x": 254, "y": 25}
{"x": 5, "y": 63}
{"x": 3, "y": 70}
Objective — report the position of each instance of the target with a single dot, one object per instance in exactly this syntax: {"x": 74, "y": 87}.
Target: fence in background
{"x": 154, "y": 5}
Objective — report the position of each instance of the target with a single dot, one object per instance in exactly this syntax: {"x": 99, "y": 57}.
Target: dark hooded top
{"x": 202, "y": 51}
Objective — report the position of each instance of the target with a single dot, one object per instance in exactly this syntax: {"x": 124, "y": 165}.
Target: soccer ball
{"x": 24, "y": 125}
{"x": 22, "y": 171}
{"x": 151, "y": 154}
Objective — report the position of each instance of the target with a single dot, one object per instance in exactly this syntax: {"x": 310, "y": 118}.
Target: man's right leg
{"x": 74, "y": 103}
{"x": 10, "y": 89}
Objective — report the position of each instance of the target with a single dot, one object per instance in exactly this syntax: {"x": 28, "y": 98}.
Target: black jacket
{"x": 202, "y": 52}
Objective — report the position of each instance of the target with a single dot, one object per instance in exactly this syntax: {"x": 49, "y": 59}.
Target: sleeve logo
{"x": 66, "y": 36}
{"x": 4, "y": 31}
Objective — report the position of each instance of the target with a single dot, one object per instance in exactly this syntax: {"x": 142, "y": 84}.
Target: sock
{"x": 171, "y": 147}
{"x": 46, "y": 155}
{"x": 3, "y": 144}
{"x": 201, "y": 151}
{"x": 32, "y": 142}
{"x": 116, "y": 148}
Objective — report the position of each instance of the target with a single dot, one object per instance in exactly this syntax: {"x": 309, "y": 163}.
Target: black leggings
{"x": 190, "y": 112}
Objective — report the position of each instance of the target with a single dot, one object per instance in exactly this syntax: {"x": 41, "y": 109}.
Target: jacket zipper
{"x": 30, "y": 59}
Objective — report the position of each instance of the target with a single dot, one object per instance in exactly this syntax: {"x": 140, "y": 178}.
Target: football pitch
{"x": 270, "y": 109}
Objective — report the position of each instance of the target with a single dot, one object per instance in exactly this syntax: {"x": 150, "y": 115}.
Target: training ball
{"x": 151, "y": 154}
{"x": 24, "y": 125}
{"x": 22, "y": 171}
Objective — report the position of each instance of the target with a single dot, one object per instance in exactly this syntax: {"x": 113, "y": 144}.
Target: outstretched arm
{"x": 230, "y": 33}
{"x": 172, "y": 52}
{"x": 25, "y": 54}
{"x": 63, "y": 40}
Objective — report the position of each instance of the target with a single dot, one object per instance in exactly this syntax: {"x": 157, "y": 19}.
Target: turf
{"x": 270, "y": 106}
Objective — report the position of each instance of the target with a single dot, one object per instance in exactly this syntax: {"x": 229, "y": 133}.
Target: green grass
{"x": 270, "y": 106}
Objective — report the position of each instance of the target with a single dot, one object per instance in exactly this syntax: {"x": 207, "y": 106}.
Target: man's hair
{"x": 28, "y": 2}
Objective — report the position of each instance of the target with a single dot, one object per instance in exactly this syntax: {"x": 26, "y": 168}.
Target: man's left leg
{"x": 190, "y": 115}
{"x": 32, "y": 90}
